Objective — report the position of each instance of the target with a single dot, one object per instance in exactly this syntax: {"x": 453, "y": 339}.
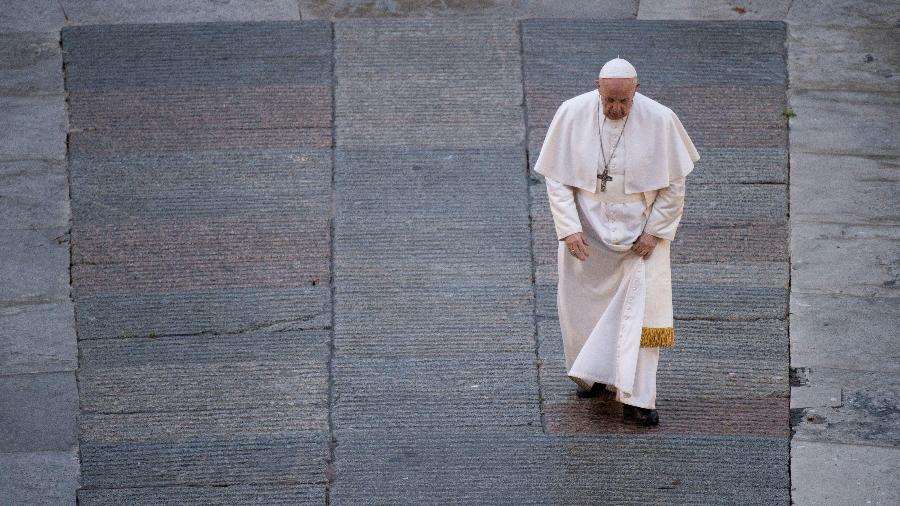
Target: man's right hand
{"x": 576, "y": 245}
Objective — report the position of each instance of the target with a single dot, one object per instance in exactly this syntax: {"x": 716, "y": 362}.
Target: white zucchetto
{"x": 617, "y": 67}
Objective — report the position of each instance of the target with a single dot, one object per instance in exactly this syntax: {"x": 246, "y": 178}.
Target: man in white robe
{"x": 614, "y": 162}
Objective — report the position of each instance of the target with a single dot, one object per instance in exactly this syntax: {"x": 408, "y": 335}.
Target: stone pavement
{"x": 222, "y": 173}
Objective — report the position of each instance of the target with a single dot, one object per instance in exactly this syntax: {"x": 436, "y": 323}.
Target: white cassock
{"x": 615, "y": 308}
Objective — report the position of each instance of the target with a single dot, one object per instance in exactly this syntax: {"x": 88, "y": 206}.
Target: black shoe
{"x": 641, "y": 416}
{"x": 597, "y": 390}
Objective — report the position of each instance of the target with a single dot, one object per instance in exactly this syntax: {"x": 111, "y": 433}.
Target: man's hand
{"x": 576, "y": 245}
{"x": 644, "y": 244}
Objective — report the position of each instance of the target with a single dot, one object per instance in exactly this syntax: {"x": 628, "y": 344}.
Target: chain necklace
{"x": 604, "y": 177}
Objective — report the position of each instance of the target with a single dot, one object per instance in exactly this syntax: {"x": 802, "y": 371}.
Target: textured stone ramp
{"x": 487, "y": 467}
{"x": 727, "y": 375}
{"x": 434, "y": 327}
{"x": 200, "y": 162}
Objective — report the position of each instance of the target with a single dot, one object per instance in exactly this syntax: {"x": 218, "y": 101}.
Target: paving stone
{"x": 149, "y": 426}
{"x": 106, "y": 12}
{"x": 182, "y": 373}
{"x": 717, "y": 205}
{"x": 43, "y": 418}
{"x": 258, "y": 107}
{"x": 201, "y": 259}
{"x": 845, "y": 13}
{"x": 30, "y": 63}
{"x": 285, "y": 458}
{"x": 866, "y": 258}
{"x": 439, "y": 276}
{"x": 728, "y": 373}
{"x": 38, "y": 337}
{"x": 284, "y": 185}
{"x": 823, "y": 335}
{"x": 31, "y": 16}
{"x": 106, "y": 316}
{"x": 845, "y": 189}
{"x": 665, "y": 53}
{"x": 863, "y": 118}
{"x": 190, "y": 56}
{"x": 248, "y": 398}
{"x": 751, "y": 274}
{"x": 107, "y": 142}
{"x": 34, "y": 127}
{"x": 536, "y": 469}
{"x": 868, "y": 413}
{"x": 316, "y": 9}
{"x": 825, "y": 473}
{"x": 388, "y": 74}
{"x": 216, "y": 495}
{"x": 246, "y": 252}
{"x": 815, "y": 397}
{"x": 745, "y": 243}
{"x": 34, "y": 194}
{"x": 49, "y": 477}
{"x": 860, "y": 59}
{"x": 740, "y": 165}
{"x": 35, "y": 267}
{"x": 695, "y": 10}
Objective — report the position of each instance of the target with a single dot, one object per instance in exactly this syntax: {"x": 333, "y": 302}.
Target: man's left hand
{"x": 644, "y": 244}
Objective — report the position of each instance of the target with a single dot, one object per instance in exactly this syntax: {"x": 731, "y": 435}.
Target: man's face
{"x": 617, "y": 95}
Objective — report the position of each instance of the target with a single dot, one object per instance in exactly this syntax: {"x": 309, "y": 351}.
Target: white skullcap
{"x": 618, "y": 67}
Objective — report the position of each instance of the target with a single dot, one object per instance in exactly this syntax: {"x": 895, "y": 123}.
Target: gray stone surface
{"x": 835, "y": 258}
{"x": 479, "y": 108}
{"x": 39, "y": 412}
{"x": 230, "y": 372}
{"x": 286, "y": 494}
{"x": 34, "y": 270}
{"x": 844, "y": 474}
{"x": 849, "y": 14}
{"x": 827, "y": 188}
{"x": 713, "y": 9}
{"x": 34, "y": 194}
{"x": 34, "y": 126}
{"x": 199, "y": 311}
{"x": 201, "y": 266}
{"x": 37, "y": 337}
{"x": 283, "y": 185}
{"x": 30, "y": 63}
{"x": 844, "y": 305}
{"x": 864, "y": 59}
{"x": 816, "y": 397}
{"x": 534, "y": 469}
{"x": 868, "y": 414}
{"x": 84, "y": 12}
{"x": 31, "y": 16}
{"x": 39, "y": 478}
{"x": 253, "y": 458}
{"x": 834, "y": 330}
{"x": 864, "y": 119}
{"x": 199, "y": 59}
{"x": 505, "y": 9}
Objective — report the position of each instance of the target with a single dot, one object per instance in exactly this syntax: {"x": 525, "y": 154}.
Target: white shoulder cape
{"x": 659, "y": 149}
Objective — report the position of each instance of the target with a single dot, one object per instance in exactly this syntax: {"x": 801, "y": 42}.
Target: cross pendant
{"x": 603, "y": 179}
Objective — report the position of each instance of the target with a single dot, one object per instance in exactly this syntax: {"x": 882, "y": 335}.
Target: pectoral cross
{"x": 603, "y": 179}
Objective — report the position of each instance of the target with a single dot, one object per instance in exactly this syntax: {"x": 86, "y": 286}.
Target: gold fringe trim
{"x": 652, "y": 337}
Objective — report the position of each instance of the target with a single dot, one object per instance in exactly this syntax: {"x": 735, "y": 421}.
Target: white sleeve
{"x": 562, "y": 205}
{"x": 665, "y": 214}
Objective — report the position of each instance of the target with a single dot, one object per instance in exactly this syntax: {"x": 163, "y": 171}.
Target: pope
{"x": 615, "y": 162}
